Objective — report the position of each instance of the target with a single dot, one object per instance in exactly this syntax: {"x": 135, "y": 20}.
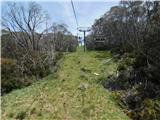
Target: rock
{"x": 96, "y": 74}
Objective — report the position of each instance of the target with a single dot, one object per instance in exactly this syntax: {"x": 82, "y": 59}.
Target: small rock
{"x": 96, "y": 74}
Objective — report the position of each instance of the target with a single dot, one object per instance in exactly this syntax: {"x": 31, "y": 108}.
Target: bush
{"x": 25, "y": 71}
{"x": 148, "y": 109}
{"x": 10, "y": 77}
{"x": 140, "y": 87}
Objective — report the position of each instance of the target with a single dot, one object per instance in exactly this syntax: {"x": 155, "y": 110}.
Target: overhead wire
{"x": 73, "y": 8}
{"x": 75, "y": 16}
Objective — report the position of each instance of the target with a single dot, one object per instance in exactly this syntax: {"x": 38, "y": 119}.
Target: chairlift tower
{"x": 84, "y": 30}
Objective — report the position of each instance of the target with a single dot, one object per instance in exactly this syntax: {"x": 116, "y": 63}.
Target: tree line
{"x": 31, "y": 45}
{"x": 131, "y": 32}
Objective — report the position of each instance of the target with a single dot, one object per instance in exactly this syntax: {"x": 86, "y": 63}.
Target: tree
{"x": 23, "y": 24}
{"x": 132, "y": 30}
{"x": 33, "y": 45}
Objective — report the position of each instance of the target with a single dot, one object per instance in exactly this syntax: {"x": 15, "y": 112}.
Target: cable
{"x": 73, "y": 8}
{"x": 74, "y": 13}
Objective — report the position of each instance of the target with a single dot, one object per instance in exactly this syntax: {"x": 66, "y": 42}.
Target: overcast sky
{"x": 86, "y": 10}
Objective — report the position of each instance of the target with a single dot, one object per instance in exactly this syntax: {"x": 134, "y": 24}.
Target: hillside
{"x": 73, "y": 93}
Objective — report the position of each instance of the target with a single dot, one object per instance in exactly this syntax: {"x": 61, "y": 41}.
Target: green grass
{"x": 74, "y": 93}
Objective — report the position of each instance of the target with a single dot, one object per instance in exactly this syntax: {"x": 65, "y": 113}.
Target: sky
{"x": 86, "y": 11}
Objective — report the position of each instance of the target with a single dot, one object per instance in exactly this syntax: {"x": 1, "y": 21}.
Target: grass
{"x": 74, "y": 93}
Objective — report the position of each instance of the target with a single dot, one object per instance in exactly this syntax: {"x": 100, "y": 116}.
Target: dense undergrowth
{"x": 13, "y": 77}
{"x": 140, "y": 101}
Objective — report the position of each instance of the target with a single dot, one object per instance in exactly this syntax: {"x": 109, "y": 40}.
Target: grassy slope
{"x": 61, "y": 97}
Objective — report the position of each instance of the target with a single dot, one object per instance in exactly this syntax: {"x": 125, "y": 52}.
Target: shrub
{"x": 8, "y": 75}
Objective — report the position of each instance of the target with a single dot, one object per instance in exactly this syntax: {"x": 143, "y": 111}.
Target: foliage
{"x": 132, "y": 28}
{"x": 9, "y": 78}
{"x": 35, "y": 52}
